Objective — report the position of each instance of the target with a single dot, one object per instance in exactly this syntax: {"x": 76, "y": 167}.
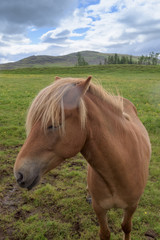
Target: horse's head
{"x": 56, "y": 136}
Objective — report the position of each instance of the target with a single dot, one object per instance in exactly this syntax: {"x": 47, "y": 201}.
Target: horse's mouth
{"x": 34, "y": 183}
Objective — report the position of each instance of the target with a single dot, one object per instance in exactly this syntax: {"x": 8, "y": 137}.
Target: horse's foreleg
{"x": 127, "y": 222}
{"x": 101, "y": 215}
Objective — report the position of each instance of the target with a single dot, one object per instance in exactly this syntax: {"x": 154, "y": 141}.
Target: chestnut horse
{"x": 74, "y": 115}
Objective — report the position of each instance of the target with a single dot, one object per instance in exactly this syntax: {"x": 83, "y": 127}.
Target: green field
{"x": 57, "y": 208}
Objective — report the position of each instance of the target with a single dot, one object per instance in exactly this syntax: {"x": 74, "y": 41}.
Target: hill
{"x": 92, "y": 57}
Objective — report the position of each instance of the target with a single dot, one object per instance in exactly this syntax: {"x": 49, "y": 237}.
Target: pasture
{"x": 57, "y": 208}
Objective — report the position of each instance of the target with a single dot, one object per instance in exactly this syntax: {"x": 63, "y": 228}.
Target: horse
{"x": 75, "y": 115}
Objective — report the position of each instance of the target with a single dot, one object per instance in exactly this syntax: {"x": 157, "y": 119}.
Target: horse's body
{"x": 105, "y": 129}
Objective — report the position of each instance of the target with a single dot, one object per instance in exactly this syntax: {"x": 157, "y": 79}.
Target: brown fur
{"x": 104, "y": 128}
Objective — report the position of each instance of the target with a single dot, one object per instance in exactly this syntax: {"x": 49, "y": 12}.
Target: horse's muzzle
{"x": 24, "y": 183}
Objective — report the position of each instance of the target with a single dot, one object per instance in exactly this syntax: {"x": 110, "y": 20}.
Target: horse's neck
{"x": 104, "y": 120}
{"x": 104, "y": 125}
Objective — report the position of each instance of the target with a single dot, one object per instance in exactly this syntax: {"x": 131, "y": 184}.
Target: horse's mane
{"x": 48, "y": 106}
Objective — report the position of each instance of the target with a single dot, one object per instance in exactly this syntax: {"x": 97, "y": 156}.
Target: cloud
{"x": 15, "y": 39}
{"x": 17, "y": 15}
{"x": 56, "y": 36}
{"x": 112, "y": 26}
{"x": 85, "y": 3}
{"x": 121, "y": 26}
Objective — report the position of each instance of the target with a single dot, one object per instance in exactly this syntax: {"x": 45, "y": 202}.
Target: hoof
{"x": 89, "y": 200}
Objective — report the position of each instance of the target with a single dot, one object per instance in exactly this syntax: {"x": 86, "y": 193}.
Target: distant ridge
{"x": 92, "y": 57}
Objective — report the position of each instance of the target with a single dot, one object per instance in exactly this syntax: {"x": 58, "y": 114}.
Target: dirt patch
{"x": 10, "y": 199}
{"x": 150, "y": 234}
{"x": 8, "y": 204}
{"x": 2, "y": 234}
{"x": 3, "y": 147}
{"x": 77, "y": 164}
{"x": 77, "y": 228}
{"x": 20, "y": 215}
{"x": 4, "y": 173}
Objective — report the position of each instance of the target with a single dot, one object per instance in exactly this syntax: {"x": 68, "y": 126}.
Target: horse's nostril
{"x": 20, "y": 177}
{"x": 20, "y": 180}
{"x": 22, "y": 184}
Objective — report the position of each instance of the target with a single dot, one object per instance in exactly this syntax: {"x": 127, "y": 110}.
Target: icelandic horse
{"x": 74, "y": 115}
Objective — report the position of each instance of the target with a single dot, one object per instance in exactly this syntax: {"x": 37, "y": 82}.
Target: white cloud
{"x": 56, "y": 36}
{"x": 23, "y": 49}
{"x": 4, "y": 60}
{"x": 123, "y": 25}
{"x": 19, "y": 39}
{"x": 113, "y": 26}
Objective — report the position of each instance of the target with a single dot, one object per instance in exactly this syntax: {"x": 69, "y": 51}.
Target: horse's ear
{"x": 72, "y": 97}
{"x": 83, "y": 86}
{"x": 57, "y": 78}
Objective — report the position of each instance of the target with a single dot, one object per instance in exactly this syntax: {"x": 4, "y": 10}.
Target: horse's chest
{"x": 112, "y": 202}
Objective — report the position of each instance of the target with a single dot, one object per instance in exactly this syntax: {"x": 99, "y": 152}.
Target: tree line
{"x": 116, "y": 59}
{"x": 151, "y": 59}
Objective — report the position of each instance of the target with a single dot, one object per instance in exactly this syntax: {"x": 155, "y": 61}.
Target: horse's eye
{"x": 50, "y": 127}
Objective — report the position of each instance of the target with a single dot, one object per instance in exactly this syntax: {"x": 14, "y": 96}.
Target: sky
{"x": 60, "y": 27}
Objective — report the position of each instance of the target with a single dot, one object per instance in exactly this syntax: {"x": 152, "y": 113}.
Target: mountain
{"x": 92, "y": 57}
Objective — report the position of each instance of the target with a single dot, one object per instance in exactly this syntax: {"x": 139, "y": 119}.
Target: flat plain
{"x": 57, "y": 208}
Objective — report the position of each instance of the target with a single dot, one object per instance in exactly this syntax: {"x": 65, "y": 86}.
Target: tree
{"x": 105, "y": 61}
{"x": 141, "y": 60}
{"x": 123, "y": 60}
{"x": 116, "y": 58}
{"x": 152, "y": 58}
{"x": 110, "y": 59}
{"x": 130, "y": 60}
{"x": 80, "y": 60}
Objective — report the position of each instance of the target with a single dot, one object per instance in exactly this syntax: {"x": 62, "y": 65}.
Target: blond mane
{"x": 48, "y": 106}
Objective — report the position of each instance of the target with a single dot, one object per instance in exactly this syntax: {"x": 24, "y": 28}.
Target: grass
{"x": 57, "y": 208}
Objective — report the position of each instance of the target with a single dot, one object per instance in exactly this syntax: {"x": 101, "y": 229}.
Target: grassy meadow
{"x": 57, "y": 208}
